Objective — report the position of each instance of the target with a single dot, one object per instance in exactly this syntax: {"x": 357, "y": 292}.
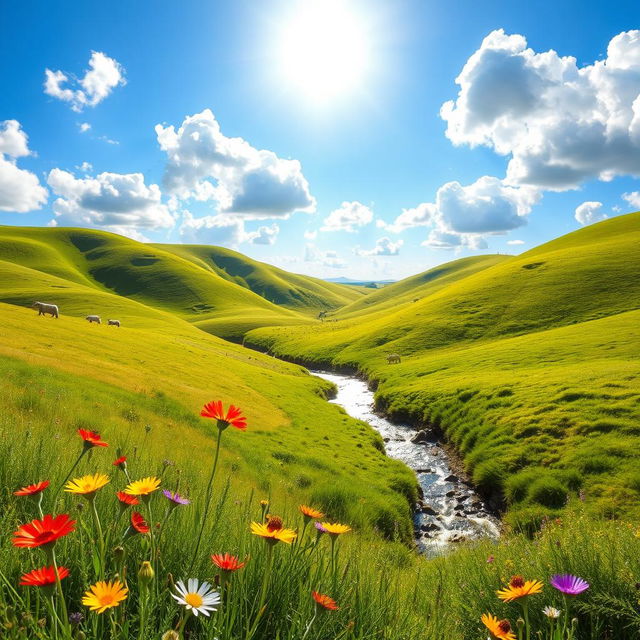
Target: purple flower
{"x": 568, "y": 584}
{"x": 320, "y": 528}
{"x": 175, "y": 498}
{"x": 76, "y": 617}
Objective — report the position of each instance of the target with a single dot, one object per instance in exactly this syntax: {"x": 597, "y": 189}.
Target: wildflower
{"x": 233, "y": 416}
{"x": 519, "y": 588}
{"x": 273, "y": 531}
{"x": 121, "y": 463}
{"x": 44, "y": 577}
{"x": 335, "y": 528}
{"x": 91, "y": 439}
{"x": 138, "y": 523}
{"x": 551, "y": 612}
{"x": 76, "y": 617}
{"x": 227, "y": 562}
{"x": 568, "y": 584}
{"x": 87, "y": 485}
{"x": 146, "y": 573}
{"x": 143, "y": 488}
{"x": 324, "y": 601}
{"x": 499, "y": 629}
{"x": 320, "y": 527}
{"x": 43, "y": 532}
{"x": 32, "y": 489}
{"x": 310, "y": 513}
{"x": 490, "y": 560}
{"x": 175, "y": 498}
{"x": 170, "y": 635}
{"x": 197, "y": 599}
{"x": 126, "y": 500}
{"x": 104, "y": 595}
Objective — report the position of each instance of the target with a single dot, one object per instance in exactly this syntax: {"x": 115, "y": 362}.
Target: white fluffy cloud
{"x": 348, "y": 217}
{"x": 204, "y": 164}
{"x": 515, "y": 242}
{"x": 121, "y": 203}
{"x": 421, "y": 216}
{"x": 633, "y": 199}
{"x": 223, "y": 230}
{"x": 439, "y": 239}
{"x": 103, "y": 75}
{"x": 589, "y": 212}
{"x": 20, "y": 190}
{"x": 384, "y": 247}
{"x": 84, "y": 127}
{"x": 325, "y": 258}
{"x": 310, "y": 235}
{"x": 560, "y": 123}
{"x": 264, "y": 235}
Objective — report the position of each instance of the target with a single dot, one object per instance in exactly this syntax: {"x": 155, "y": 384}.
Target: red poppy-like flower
{"x": 126, "y": 499}
{"x": 227, "y": 562}
{"x": 325, "y": 601}
{"x": 43, "y": 532}
{"x": 139, "y": 523}
{"x": 91, "y": 439}
{"x": 32, "y": 489}
{"x": 43, "y": 577}
{"x": 121, "y": 462}
{"x": 233, "y": 416}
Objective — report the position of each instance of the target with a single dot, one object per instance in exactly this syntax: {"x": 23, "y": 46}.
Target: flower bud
{"x": 170, "y": 635}
{"x": 118, "y": 553}
{"x": 146, "y": 573}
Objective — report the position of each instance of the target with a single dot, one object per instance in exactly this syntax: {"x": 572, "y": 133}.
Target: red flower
{"x": 139, "y": 523}
{"x": 233, "y": 416}
{"x": 43, "y": 532}
{"x": 32, "y": 489}
{"x": 126, "y": 499}
{"x": 91, "y": 439}
{"x": 325, "y": 601}
{"x": 227, "y": 562}
{"x": 120, "y": 462}
{"x": 43, "y": 577}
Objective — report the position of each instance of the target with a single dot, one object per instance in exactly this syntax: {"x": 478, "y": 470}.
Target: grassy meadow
{"x": 528, "y": 365}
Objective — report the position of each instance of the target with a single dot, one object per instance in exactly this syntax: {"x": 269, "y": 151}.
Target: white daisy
{"x": 551, "y": 612}
{"x": 198, "y": 599}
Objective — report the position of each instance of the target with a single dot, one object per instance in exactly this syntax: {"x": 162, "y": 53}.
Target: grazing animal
{"x": 114, "y": 323}
{"x": 393, "y": 358}
{"x": 43, "y": 308}
{"x": 95, "y": 319}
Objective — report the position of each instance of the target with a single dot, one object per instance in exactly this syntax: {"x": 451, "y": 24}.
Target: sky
{"x": 368, "y": 139}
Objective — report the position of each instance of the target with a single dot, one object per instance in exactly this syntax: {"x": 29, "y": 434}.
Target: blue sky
{"x": 299, "y": 132}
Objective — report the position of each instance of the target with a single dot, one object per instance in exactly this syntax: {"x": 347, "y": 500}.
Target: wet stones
{"x": 422, "y": 437}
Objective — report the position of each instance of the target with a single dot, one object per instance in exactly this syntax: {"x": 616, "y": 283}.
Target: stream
{"x": 450, "y": 511}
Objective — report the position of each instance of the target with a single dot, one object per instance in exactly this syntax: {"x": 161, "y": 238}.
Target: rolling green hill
{"x": 530, "y": 366}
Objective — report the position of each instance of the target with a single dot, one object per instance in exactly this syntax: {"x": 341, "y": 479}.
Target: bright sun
{"x": 324, "y": 49}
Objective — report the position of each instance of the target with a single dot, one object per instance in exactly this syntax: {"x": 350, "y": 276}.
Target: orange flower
{"x": 126, "y": 500}
{"x": 499, "y": 629}
{"x": 43, "y": 532}
{"x": 273, "y": 531}
{"x": 32, "y": 489}
{"x": 139, "y": 523}
{"x": 91, "y": 439}
{"x": 519, "y": 588}
{"x": 121, "y": 462}
{"x": 227, "y": 562}
{"x": 43, "y": 577}
{"x": 233, "y": 416}
{"x": 325, "y": 601}
{"x": 309, "y": 512}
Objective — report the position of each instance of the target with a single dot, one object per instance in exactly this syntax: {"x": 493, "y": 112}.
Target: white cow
{"x": 43, "y": 308}
{"x": 114, "y": 323}
{"x": 95, "y": 319}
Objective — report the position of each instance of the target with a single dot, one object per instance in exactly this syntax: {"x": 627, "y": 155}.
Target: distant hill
{"x": 361, "y": 283}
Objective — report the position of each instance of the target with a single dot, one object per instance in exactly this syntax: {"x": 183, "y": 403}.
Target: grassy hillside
{"x": 530, "y": 366}
{"x": 184, "y": 286}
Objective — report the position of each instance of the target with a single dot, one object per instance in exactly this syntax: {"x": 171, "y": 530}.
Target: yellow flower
{"x": 335, "y": 528}
{"x": 310, "y": 512}
{"x": 103, "y": 595}
{"x": 273, "y": 531}
{"x": 142, "y": 487}
{"x": 519, "y": 588}
{"x": 87, "y": 485}
{"x": 500, "y": 629}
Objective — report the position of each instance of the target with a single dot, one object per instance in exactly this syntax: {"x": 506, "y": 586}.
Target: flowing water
{"x": 450, "y": 510}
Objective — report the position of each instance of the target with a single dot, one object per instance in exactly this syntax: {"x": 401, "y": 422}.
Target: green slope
{"x": 513, "y": 405}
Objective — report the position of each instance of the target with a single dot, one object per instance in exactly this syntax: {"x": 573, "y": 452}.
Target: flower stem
{"x": 263, "y": 591}
{"x": 75, "y": 464}
{"x": 207, "y": 500}
{"x": 96, "y": 520}
{"x": 306, "y": 632}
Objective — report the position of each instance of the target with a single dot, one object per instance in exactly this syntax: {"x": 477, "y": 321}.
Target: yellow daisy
{"x": 335, "y": 528}
{"x": 103, "y": 595}
{"x": 273, "y": 531}
{"x": 87, "y": 485}
{"x": 143, "y": 487}
{"x": 519, "y": 588}
{"x": 499, "y": 629}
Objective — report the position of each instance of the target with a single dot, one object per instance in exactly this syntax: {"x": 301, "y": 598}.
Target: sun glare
{"x": 324, "y": 49}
